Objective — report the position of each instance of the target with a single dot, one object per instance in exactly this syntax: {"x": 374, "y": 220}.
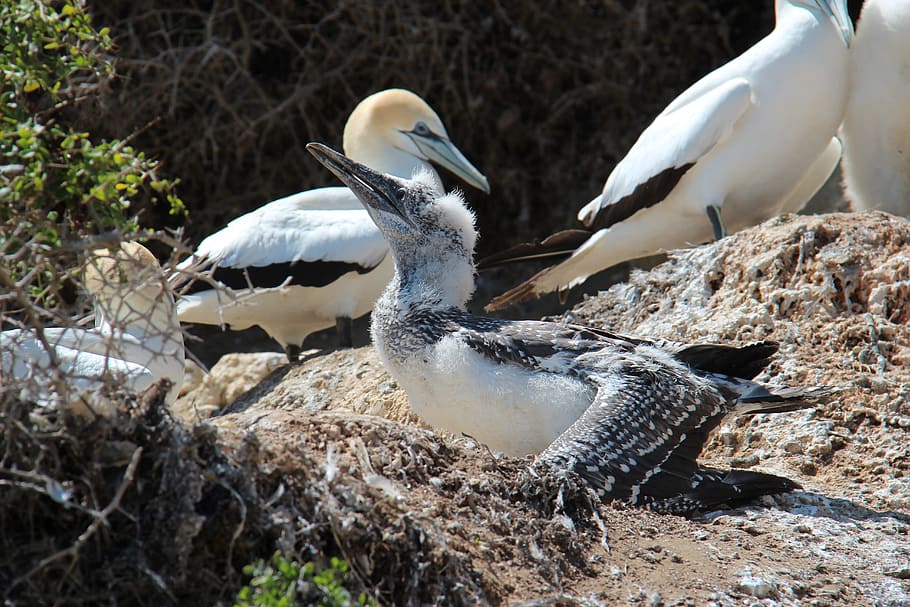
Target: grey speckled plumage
{"x": 630, "y": 415}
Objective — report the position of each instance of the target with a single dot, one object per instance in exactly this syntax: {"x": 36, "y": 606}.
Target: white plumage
{"x": 289, "y": 230}
{"x": 630, "y": 415}
{"x": 876, "y": 129}
{"x": 136, "y": 339}
{"x": 314, "y": 259}
{"x": 750, "y": 140}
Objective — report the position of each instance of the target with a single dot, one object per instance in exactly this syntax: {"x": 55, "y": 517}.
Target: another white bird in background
{"x": 314, "y": 259}
{"x": 629, "y": 415}
{"x": 136, "y": 339}
{"x": 752, "y": 139}
{"x": 876, "y": 129}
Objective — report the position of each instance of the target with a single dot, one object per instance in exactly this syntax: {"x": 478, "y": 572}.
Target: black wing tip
{"x": 645, "y": 195}
{"x": 523, "y": 292}
{"x": 737, "y": 487}
{"x": 772, "y": 399}
{"x": 560, "y": 244}
{"x": 744, "y": 362}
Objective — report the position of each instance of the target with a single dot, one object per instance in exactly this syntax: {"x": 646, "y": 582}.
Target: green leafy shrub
{"x": 59, "y": 185}
{"x": 284, "y": 583}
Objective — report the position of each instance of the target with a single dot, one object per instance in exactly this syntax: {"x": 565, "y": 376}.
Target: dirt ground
{"x": 833, "y": 289}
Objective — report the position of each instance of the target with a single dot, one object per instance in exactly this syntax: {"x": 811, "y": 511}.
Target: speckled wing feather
{"x": 537, "y": 344}
{"x": 531, "y": 343}
{"x": 708, "y": 487}
{"x": 641, "y": 415}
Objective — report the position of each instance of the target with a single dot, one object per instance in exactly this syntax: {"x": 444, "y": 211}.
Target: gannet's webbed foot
{"x": 345, "y": 327}
{"x": 292, "y": 352}
{"x": 717, "y": 222}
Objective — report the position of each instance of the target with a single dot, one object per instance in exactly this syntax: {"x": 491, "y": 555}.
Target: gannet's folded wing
{"x": 283, "y": 232}
{"x": 566, "y": 347}
{"x": 639, "y": 440}
{"x": 533, "y": 344}
{"x": 665, "y": 151}
{"x": 84, "y": 357}
{"x": 641, "y": 421}
{"x": 292, "y": 237}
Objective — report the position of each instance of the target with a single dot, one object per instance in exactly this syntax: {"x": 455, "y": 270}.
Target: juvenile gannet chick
{"x": 136, "y": 339}
{"x": 752, "y": 139}
{"x": 629, "y": 415}
{"x": 303, "y": 263}
{"x": 876, "y": 129}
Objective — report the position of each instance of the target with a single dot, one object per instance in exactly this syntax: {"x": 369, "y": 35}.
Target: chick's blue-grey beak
{"x": 440, "y": 150}
{"x": 375, "y": 190}
{"x": 836, "y": 11}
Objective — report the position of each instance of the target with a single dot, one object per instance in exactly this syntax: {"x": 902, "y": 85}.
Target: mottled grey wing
{"x": 647, "y": 421}
{"x": 539, "y": 344}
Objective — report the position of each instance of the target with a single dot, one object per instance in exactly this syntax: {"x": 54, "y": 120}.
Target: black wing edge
{"x": 733, "y": 487}
{"x": 645, "y": 195}
{"x": 560, "y": 244}
{"x": 744, "y": 362}
{"x": 300, "y": 273}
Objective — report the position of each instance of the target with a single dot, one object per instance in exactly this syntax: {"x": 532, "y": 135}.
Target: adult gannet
{"x": 314, "y": 259}
{"x": 629, "y": 415}
{"x": 876, "y": 129}
{"x": 750, "y": 140}
{"x": 136, "y": 339}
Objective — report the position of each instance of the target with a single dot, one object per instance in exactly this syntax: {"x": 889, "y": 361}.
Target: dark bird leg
{"x": 717, "y": 222}
{"x": 344, "y": 326}
{"x": 292, "y": 352}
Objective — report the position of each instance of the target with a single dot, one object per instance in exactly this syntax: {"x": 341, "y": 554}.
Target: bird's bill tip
{"x": 375, "y": 190}
{"x": 836, "y": 11}
{"x": 323, "y": 153}
{"x": 351, "y": 173}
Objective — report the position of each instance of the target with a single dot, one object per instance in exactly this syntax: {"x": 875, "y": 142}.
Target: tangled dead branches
{"x": 544, "y": 97}
{"x": 110, "y": 509}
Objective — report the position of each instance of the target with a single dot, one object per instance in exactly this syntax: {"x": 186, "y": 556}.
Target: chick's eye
{"x": 421, "y": 129}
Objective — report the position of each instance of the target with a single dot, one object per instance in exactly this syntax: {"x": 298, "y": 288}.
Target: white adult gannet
{"x": 876, "y": 129}
{"x": 750, "y": 140}
{"x": 303, "y": 263}
{"x": 629, "y": 415}
{"x": 136, "y": 339}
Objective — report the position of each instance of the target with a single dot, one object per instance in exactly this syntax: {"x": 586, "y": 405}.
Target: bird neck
{"x": 435, "y": 281}
{"x": 786, "y": 15}
{"x": 149, "y": 317}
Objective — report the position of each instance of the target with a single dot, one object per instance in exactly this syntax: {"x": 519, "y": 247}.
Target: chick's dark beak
{"x": 375, "y": 190}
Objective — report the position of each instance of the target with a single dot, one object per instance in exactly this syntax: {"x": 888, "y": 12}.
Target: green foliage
{"x": 285, "y": 583}
{"x": 56, "y": 182}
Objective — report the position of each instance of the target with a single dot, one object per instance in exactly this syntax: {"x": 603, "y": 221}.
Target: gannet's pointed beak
{"x": 375, "y": 190}
{"x": 836, "y": 10}
{"x": 442, "y": 151}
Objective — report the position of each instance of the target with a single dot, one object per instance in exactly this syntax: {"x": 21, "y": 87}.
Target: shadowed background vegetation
{"x": 544, "y": 97}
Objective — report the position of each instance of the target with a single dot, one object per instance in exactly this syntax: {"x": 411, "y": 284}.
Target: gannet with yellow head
{"x": 752, "y": 139}
{"x": 136, "y": 339}
{"x": 303, "y": 263}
